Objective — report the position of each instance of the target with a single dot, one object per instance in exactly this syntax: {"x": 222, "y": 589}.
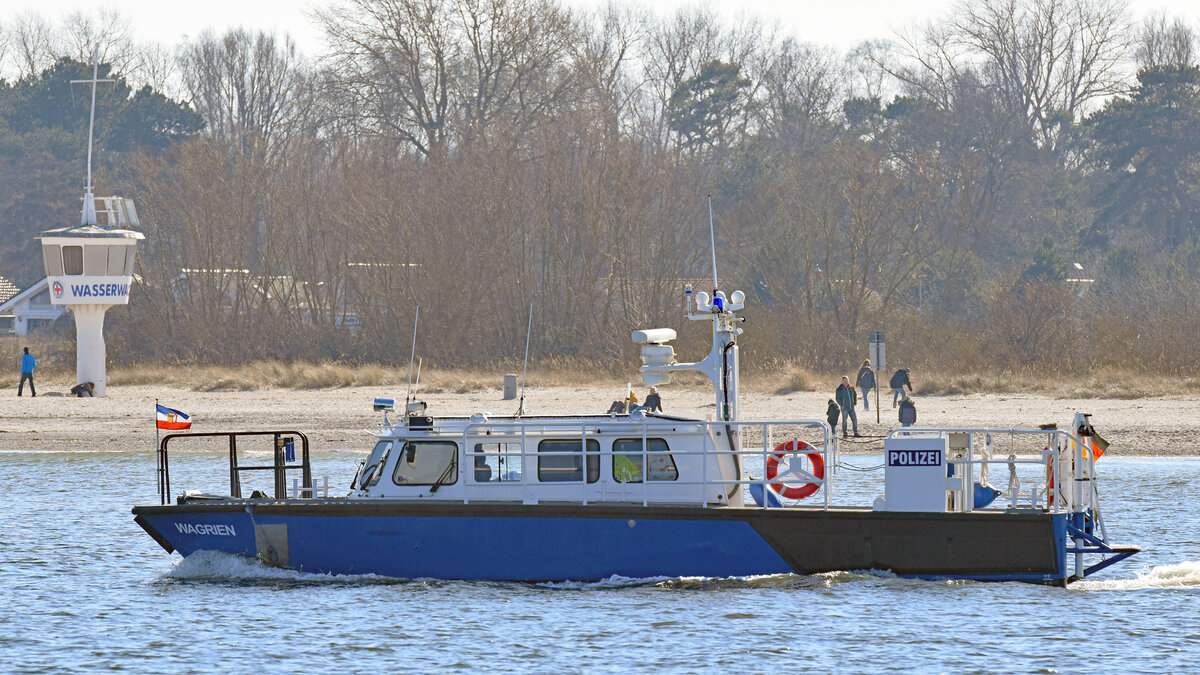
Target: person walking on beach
{"x": 899, "y": 381}
{"x": 831, "y": 414}
{"x": 28, "y": 363}
{"x": 866, "y": 382}
{"x": 846, "y": 398}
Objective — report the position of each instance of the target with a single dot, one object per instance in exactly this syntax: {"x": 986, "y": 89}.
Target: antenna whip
{"x": 412, "y": 355}
{"x": 525, "y": 368}
{"x": 712, "y": 241}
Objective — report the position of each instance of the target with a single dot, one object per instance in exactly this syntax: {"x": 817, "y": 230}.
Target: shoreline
{"x": 342, "y": 417}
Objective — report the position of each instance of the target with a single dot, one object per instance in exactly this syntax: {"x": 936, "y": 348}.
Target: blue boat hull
{"x": 576, "y": 542}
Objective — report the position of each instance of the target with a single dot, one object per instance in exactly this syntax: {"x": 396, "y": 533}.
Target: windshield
{"x": 371, "y": 471}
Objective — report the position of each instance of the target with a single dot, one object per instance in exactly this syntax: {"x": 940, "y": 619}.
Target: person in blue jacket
{"x": 28, "y": 363}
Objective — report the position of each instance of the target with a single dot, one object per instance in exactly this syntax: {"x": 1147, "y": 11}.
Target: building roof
{"x": 7, "y": 290}
{"x": 8, "y": 303}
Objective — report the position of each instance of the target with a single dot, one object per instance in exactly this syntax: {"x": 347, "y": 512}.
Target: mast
{"x": 88, "y": 215}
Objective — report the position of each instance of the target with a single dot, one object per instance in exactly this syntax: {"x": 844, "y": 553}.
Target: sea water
{"x": 84, "y": 589}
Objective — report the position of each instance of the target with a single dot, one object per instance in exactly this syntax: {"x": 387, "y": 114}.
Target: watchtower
{"x": 89, "y": 268}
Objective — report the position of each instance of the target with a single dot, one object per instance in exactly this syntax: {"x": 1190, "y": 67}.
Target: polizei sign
{"x": 914, "y": 458}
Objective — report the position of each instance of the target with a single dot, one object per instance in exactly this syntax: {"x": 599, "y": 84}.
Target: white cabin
{"x": 530, "y": 460}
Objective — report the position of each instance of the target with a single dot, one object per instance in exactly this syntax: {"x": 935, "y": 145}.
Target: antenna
{"x": 525, "y": 368}
{"x": 712, "y": 241}
{"x": 411, "y": 355}
{"x": 89, "y": 202}
{"x": 417, "y": 383}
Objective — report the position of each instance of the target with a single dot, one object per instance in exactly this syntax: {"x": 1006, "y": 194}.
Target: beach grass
{"x": 779, "y": 377}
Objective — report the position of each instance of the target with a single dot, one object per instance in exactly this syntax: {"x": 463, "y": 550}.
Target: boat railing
{"x": 1054, "y": 461}
{"x": 283, "y": 446}
{"x": 784, "y": 441}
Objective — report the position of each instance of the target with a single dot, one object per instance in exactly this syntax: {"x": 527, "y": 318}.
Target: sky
{"x": 838, "y": 23}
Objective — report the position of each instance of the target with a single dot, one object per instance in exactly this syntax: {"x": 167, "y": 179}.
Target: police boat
{"x": 642, "y": 495}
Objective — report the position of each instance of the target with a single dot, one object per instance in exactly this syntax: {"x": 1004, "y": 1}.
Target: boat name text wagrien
{"x": 914, "y": 458}
{"x": 206, "y": 528}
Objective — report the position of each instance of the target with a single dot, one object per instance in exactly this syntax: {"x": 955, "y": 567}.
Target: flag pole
{"x": 157, "y": 450}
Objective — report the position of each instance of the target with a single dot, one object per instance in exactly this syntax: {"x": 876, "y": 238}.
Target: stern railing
{"x": 279, "y": 465}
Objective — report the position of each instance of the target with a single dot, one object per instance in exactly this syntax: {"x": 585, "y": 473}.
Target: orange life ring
{"x": 794, "y": 491}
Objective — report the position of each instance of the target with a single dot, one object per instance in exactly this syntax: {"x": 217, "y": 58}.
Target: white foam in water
{"x": 615, "y": 581}
{"x": 1182, "y": 575}
{"x": 228, "y": 566}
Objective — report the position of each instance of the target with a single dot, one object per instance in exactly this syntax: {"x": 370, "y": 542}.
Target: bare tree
{"x": 604, "y": 57}
{"x": 1049, "y": 59}
{"x": 869, "y": 67}
{"x": 511, "y": 70}
{"x": 106, "y": 34}
{"x": 30, "y": 38}
{"x": 800, "y": 89}
{"x": 156, "y": 66}
{"x": 394, "y": 60}
{"x": 247, "y": 87}
{"x": 1165, "y": 42}
{"x": 928, "y": 62}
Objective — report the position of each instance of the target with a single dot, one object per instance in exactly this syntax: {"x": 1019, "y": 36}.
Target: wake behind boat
{"x": 585, "y": 497}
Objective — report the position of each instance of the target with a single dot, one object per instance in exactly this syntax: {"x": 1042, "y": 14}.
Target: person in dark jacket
{"x": 831, "y": 414}
{"x": 908, "y": 412}
{"x": 866, "y": 382}
{"x": 899, "y": 381}
{"x": 846, "y": 398}
{"x": 653, "y": 401}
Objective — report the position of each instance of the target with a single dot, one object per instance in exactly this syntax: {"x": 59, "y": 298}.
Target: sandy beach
{"x": 342, "y": 418}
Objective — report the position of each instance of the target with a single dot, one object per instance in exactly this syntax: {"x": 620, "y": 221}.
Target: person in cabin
{"x": 28, "y": 363}
{"x": 846, "y": 399}
{"x": 483, "y": 472}
{"x": 653, "y": 401}
{"x": 908, "y": 412}
{"x": 831, "y": 414}
{"x": 899, "y": 381}
{"x": 866, "y": 382}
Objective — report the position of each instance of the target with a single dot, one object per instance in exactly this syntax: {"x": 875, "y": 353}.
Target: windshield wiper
{"x": 445, "y": 474}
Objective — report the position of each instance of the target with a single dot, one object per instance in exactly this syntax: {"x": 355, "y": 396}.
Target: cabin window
{"x": 569, "y": 466}
{"x": 116, "y": 259}
{"x": 72, "y": 260}
{"x": 627, "y": 460}
{"x": 95, "y": 260}
{"x": 427, "y": 463}
{"x": 497, "y": 462}
{"x": 52, "y": 255}
{"x": 373, "y": 468}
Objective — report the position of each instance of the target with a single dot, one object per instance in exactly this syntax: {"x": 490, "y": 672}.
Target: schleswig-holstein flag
{"x": 170, "y": 418}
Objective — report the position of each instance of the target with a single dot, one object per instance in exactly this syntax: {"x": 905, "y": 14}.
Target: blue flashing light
{"x": 718, "y": 304}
